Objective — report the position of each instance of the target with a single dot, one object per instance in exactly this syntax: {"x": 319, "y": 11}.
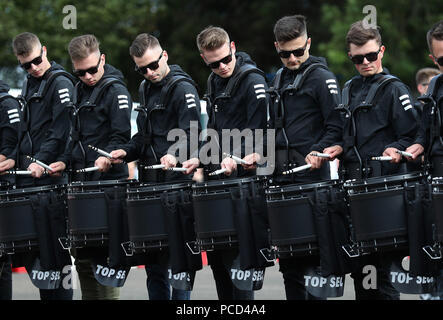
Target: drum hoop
{"x": 383, "y": 179}
{"x": 160, "y": 187}
{"x": 223, "y": 183}
{"x": 99, "y": 183}
{"x": 303, "y": 186}
{"x": 32, "y": 190}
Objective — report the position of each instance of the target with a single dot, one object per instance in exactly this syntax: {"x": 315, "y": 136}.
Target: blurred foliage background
{"x": 176, "y": 23}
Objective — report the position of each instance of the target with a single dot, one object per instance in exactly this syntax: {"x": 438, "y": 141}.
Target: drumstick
{"x": 155, "y": 166}
{"x": 404, "y": 153}
{"x": 40, "y": 163}
{"x": 381, "y": 158}
{"x": 320, "y": 155}
{"x": 177, "y": 169}
{"x": 217, "y": 172}
{"x": 19, "y": 172}
{"x": 90, "y": 169}
{"x": 239, "y": 160}
{"x": 103, "y": 153}
{"x": 301, "y": 168}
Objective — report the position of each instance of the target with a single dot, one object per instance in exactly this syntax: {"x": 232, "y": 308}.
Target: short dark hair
{"x": 81, "y": 47}
{"x": 143, "y": 42}
{"x": 425, "y": 73}
{"x": 358, "y": 34}
{"x": 289, "y": 28}
{"x": 24, "y": 43}
{"x": 436, "y": 32}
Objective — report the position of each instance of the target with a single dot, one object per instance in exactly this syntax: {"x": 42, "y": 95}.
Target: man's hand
{"x": 117, "y": 156}
{"x": 36, "y": 170}
{"x": 103, "y": 164}
{"x": 2, "y": 158}
{"x": 251, "y": 161}
{"x": 57, "y": 168}
{"x": 416, "y": 150}
{"x": 198, "y": 175}
{"x": 190, "y": 165}
{"x": 392, "y": 152}
{"x": 169, "y": 161}
{"x": 316, "y": 162}
{"x": 7, "y": 164}
{"x": 229, "y": 164}
{"x": 333, "y": 151}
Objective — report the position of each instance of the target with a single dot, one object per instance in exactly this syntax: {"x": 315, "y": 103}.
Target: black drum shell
{"x": 17, "y": 222}
{"x": 213, "y": 207}
{"x": 87, "y": 207}
{"x": 290, "y": 212}
{"x": 146, "y": 218}
{"x": 378, "y": 207}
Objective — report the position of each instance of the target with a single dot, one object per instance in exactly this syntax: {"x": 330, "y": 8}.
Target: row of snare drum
{"x": 358, "y": 216}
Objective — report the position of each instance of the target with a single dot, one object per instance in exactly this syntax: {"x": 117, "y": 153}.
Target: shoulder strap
{"x": 346, "y": 93}
{"x": 47, "y": 81}
{"x": 276, "y": 84}
{"x": 4, "y": 96}
{"x": 376, "y": 87}
{"x": 167, "y": 89}
{"x": 235, "y": 81}
{"x": 100, "y": 89}
{"x": 142, "y": 92}
{"x": 301, "y": 77}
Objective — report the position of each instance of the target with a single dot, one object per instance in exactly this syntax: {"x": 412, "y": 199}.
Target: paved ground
{"x": 204, "y": 287}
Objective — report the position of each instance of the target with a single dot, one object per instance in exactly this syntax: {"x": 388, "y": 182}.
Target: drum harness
{"x": 278, "y": 93}
{"x": 165, "y": 96}
{"x": 38, "y": 96}
{"x": 96, "y": 95}
{"x": 351, "y": 136}
{"x": 435, "y": 129}
{"x": 230, "y": 89}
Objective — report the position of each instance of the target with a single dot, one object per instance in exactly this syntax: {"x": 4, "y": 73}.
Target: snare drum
{"x": 4, "y": 185}
{"x": 437, "y": 206}
{"x": 146, "y": 217}
{"x": 88, "y": 212}
{"x": 18, "y": 232}
{"x": 378, "y": 211}
{"x": 213, "y": 203}
{"x": 291, "y": 217}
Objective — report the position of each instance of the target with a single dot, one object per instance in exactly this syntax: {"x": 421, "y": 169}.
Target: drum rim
{"x": 226, "y": 182}
{"x": 383, "y": 179}
{"x": 303, "y": 186}
{"x": 99, "y": 183}
{"x": 163, "y": 186}
{"x": 32, "y": 190}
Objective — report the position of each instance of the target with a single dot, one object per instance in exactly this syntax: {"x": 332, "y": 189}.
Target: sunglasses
{"x": 36, "y": 61}
{"x": 439, "y": 60}
{"x": 91, "y": 71}
{"x": 225, "y": 60}
{"x": 359, "y": 58}
{"x": 297, "y": 52}
{"x": 152, "y": 66}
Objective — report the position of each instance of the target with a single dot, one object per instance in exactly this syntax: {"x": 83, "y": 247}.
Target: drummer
{"x": 104, "y": 126}
{"x": 309, "y": 125}
{"x": 9, "y": 125}
{"x": 387, "y": 126}
{"x": 150, "y": 145}
{"x": 246, "y": 108}
{"x": 43, "y": 133}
